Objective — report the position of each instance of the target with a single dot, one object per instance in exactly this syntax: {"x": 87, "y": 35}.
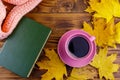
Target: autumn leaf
{"x": 117, "y": 32}
{"x": 104, "y": 32}
{"x": 89, "y": 10}
{"x": 105, "y": 64}
{"x": 56, "y": 69}
{"x": 104, "y": 8}
{"x": 83, "y": 73}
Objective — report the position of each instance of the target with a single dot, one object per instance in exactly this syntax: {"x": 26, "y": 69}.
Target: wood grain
{"x": 60, "y": 16}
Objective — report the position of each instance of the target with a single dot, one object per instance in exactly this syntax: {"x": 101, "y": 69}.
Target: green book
{"x": 23, "y": 47}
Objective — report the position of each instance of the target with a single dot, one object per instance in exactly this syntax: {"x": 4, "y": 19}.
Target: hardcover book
{"x": 23, "y": 47}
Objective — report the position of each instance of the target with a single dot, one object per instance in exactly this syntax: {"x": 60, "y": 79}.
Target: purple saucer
{"x": 67, "y": 55}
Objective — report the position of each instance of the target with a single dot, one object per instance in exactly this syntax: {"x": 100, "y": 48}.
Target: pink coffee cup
{"x": 76, "y": 48}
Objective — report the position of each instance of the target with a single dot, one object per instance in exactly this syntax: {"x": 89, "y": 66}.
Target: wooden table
{"x": 60, "y": 16}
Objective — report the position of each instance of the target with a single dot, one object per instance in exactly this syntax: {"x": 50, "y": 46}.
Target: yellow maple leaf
{"x": 89, "y": 9}
{"x": 104, "y": 64}
{"x": 104, "y": 32}
{"x": 117, "y": 32}
{"x": 56, "y": 69}
{"x": 104, "y": 8}
{"x": 83, "y": 73}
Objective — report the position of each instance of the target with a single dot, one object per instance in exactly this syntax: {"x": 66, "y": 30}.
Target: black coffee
{"x": 79, "y": 46}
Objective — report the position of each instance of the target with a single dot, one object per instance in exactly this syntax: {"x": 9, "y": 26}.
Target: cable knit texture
{"x": 11, "y": 20}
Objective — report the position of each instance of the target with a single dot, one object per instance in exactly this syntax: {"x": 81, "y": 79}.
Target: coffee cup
{"x": 76, "y": 48}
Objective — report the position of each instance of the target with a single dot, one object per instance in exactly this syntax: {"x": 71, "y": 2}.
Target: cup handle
{"x": 92, "y": 38}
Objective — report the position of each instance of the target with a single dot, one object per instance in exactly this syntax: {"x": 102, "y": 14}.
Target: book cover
{"x": 23, "y": 47}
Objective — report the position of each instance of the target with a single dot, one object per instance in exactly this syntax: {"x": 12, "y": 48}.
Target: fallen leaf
{"x": 56, "y": 68}
{"x": 104, "y": 8}
{"x": 104, "y": 32}
{"x": 117, "y": 32}
{"x": 83, "y": 73}
{"x": 89, "y": 9}
{"x": 105, "y": 64}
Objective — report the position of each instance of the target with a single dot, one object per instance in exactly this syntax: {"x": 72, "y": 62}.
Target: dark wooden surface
{"x": 60, "y": 16}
